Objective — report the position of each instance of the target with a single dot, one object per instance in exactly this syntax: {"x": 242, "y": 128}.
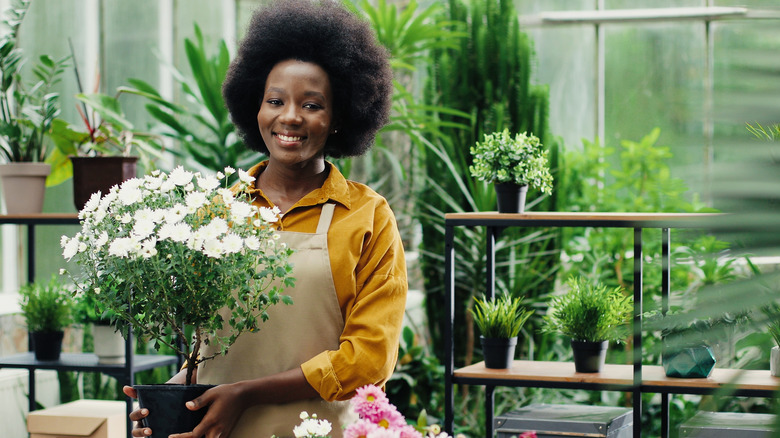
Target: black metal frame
{"x": 494, "y": 224}
{"x": 124, "y": 373}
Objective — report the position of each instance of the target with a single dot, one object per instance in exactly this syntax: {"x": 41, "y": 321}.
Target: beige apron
{"x": 291, "y": 335}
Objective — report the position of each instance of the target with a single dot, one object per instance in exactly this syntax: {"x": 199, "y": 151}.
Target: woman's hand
{"x": 137, "y": 415}
{"x": 225, "y": 404}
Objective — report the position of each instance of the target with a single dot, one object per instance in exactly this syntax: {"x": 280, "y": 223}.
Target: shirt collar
{"x": 334, "y": 188}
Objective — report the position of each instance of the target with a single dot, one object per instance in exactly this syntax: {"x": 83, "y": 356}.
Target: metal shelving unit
{"x": 635, "y": 378}
{"x": 124, "y": 373}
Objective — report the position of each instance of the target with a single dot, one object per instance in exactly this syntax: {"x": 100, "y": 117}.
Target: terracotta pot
{"x": 93, "y": 174}
{"x": 510, "y": 197}
{"x": 24, "y": 186}
{"x": 167, "y": 413}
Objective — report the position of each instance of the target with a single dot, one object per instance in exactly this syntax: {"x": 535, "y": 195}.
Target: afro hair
{"x": 325, "y": 33}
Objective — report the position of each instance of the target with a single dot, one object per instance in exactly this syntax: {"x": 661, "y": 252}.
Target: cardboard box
{"x": 728, "y": 424}
{"x": 80, "y": 419}
{"x": 555, "y": 421}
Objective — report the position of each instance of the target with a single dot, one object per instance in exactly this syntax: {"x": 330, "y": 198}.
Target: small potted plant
{"x": 592, "y": 315}
{"x": 513, "y": 164}
{"x": 499, "y": 321}
{"x": 108, "y": 343}
{"x": 46, "y": 309}
{"x": 165, "y": 253}
{"x": 28, "y": 110}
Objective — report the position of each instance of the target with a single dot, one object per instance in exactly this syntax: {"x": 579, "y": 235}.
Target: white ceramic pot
{"x": 774, "y": 361}
{"x": 109, "y": 345}
{"x": 24, "y": 185}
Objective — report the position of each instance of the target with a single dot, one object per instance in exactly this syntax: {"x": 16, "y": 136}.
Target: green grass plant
{"x": 590, "y": 312}
{"x": 46, "y": 307}
{"x": 500, "y": 317}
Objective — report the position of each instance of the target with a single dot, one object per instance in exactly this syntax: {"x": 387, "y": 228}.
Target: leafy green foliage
{"x": 202, "y": 127}
{"x": 502, "y": 317}
{"x": 46, "y": 307}
{"x": 521, "y": 160}
{"x": 26, "y": 110}
{"x": 590, "y": 312}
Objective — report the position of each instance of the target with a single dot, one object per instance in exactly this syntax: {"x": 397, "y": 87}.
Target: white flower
{"x": 101, "y": 240}
{"x": 149, "y": 248}
{"x": 175, "y": 214}
{"x": 180, "y": 177}
{"x": 269, "y": 215}
{"x": 239, "y": 211}
{"x": 143, "y": 228}
{"x": 304, "y": 415}
{"x": 167, "y": 186}
{"x": 93, "y": 202}
{"x": 71, "y": 248}
{"x": 252, "y": 242}
{"x": 130, "y": 196}
{"x": 232, "y": 243}
{"x": 189, "y": 187}
{"x": 220, "y": 175}
{"x": 126, "y": 218}
{"x": 213, "y": 248}
{"x": 195, "y": 200}
{"x": 180, "y": 232}
{"x": 214, "y": 229}
{"x": 227, "y": 195}
{"x": 208, "y": 183}
{"x": 229, "y": 171}
{"x": 143, "y": 214}
{"x": 121, "y": 247}
{"x": 245, "y": 177}
{"x": 152, "y": 183}
{"x": 63, "y": 271}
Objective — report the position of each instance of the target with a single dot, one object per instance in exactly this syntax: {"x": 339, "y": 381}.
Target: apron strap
{"x": 326, "y": 215}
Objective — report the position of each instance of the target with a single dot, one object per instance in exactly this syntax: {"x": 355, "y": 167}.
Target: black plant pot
{"x": 167, "y": 413}
{"x": 589, "y": 356}
{"x": 47, "y": 345}
{"x": 510, "y": 197}
{"x": 498, "y": 352}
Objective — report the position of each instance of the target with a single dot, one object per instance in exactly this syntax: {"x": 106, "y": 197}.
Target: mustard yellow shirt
{"x": 369, "y": 273}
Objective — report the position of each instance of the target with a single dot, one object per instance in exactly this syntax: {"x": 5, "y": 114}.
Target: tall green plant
{"x": 487, "y": 77}
{"x": 202, "y": 127}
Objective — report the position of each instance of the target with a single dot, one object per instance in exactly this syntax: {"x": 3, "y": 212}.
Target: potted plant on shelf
{"x": 591, "y": 315}
{"x": 165, "y": 253}
{"x": 100, "y": 155}
{"x": 499, "y": 321}
{"x": 513, "y": 164}
{"x": 46, "y": 309}
{"x": 107, "y": 342}
{"x": 26, "y": 115}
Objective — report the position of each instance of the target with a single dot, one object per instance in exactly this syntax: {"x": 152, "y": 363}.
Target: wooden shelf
{"x": 562, "y": 374}
{"x": 585, "y": 219}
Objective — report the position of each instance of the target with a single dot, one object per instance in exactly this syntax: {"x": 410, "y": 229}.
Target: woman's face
{"x": 296, "y": 112}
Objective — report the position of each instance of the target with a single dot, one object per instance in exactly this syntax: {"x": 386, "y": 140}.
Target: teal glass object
{"x": 689, "y": 362}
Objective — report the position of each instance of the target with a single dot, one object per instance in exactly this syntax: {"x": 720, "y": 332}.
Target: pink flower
{"x": 529, "y": 434}
{"x": 359, "y": 429}
{"x": 369, "y": 400}
{"x": 383, "y": 433}
{"x": 409, "y": 432}
{"x": 388, "y": 418}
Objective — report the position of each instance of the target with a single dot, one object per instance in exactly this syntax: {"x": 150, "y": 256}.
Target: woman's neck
{"x": 284, "y": 187}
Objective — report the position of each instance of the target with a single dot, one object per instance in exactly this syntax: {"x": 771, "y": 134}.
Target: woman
{"x": 310, "y": 81}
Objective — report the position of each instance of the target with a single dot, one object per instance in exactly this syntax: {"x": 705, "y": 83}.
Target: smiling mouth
{"x": 283, "y": 137}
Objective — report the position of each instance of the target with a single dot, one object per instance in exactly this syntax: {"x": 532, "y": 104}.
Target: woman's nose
{"x": 290, "y": 115}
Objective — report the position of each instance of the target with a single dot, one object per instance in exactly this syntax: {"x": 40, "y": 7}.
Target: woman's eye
{"x": 312, "y": 106}
{"x": 274, "y": 101}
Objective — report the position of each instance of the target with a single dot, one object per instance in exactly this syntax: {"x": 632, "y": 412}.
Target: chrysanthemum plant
{"x": 521, "y": 159}
{"x": 166, "y": 252}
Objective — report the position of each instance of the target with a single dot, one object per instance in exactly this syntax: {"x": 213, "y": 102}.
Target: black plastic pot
{"x": 510, "y": 197}
{"x": 167, "y": 413}
{"x": 498, "y": 352}
{"x": 47, "y": 345}
{"x": 589, "y": 356}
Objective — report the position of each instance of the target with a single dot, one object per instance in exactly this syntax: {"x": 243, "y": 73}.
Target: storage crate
{"x": 566, "y": 420}
{"x": 728, "y": 424}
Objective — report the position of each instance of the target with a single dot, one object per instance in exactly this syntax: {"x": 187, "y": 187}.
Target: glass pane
{"x": 641, "y": 4}
{"x": 655, "y": 78}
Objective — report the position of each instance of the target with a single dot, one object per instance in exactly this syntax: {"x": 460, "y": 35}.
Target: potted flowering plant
{"x": 26, "y": 114}
{"x": 165, "y": 253}
{"x": 513, "y": 164}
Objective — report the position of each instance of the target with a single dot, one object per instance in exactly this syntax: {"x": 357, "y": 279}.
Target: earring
{"x": 335, "y": 131}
